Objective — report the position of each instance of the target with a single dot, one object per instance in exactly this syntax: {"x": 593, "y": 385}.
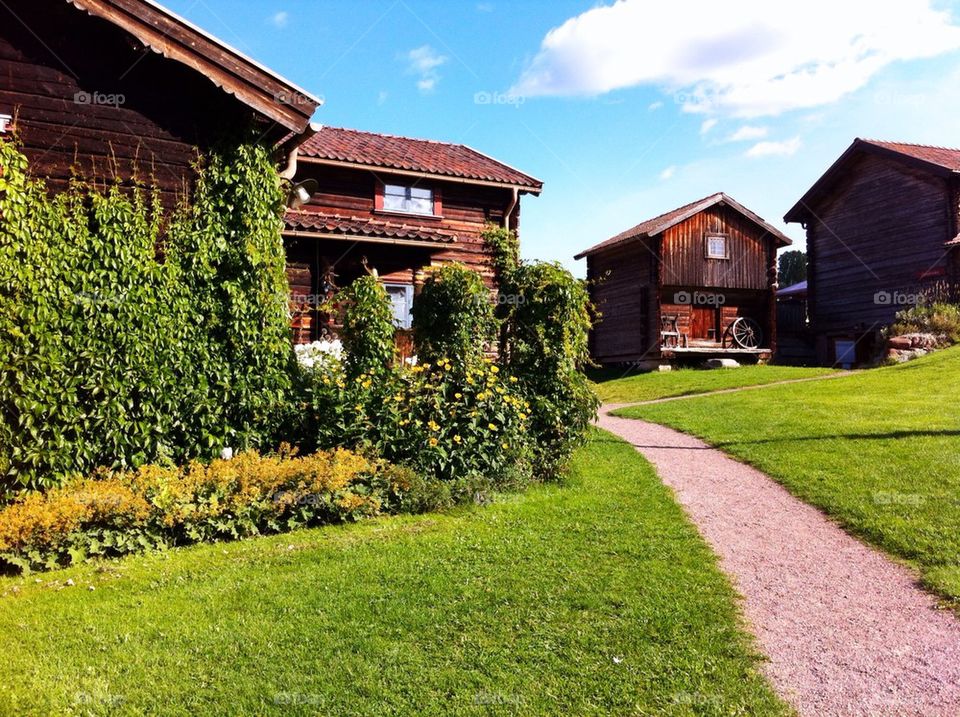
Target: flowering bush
{"x": 117, "y": 513}
{"x": 443, "y": 422}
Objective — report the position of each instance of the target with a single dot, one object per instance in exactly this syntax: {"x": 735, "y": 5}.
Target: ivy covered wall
{"x": 128, "y": 336}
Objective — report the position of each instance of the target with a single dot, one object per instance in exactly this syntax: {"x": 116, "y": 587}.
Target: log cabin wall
{"x": 880, "y": 230}
{"x": 623, "y": 288}
{"x": 684, "y": 253}
{"x": 466, "y": 208}
{"x": 61, "y": 98}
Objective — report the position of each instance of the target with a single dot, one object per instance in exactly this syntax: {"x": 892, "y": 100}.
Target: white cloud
{"x": 280, "y": 19}
{"x": 424, "y": 61}
{"x": 484, "y": 7}
{"x": 708, "y": 124}
{"x": 748, "y": 132}
{"x": 774, "y": 149}
{"x": 655, "y": 106}
{"x": 382, "y": 96}
{"x": 668, "y": 172}
{"x": 743, "y": 57}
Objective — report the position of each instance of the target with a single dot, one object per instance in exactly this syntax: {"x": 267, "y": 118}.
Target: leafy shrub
{"x": 112, "y": 514}
{"x": 116, "y": 353}
{"x": 939, "y": 319}
{"x": 467, "y": 428}
{"x": 368, "y": 328}
{"x": 452, "y": 316}
{"x": 544, "y": 345}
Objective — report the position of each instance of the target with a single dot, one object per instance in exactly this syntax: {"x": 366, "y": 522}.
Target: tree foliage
{"x": 368, "y": 330}
{"x": 453, "y": 316}
{"x": 792, "y": 267}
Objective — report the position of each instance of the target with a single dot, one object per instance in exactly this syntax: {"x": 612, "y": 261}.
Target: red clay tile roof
{"x": 938, "y": 160}
{"x": 942, "y": 156}
{"x": 414, "y": 155}
{"x": 360, "y": 227}
{"x": 654, "y": 226}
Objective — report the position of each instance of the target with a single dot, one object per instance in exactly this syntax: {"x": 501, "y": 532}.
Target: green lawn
{"x": 595, "y": 597}
{"x": 879, "y": 450}
{"x": 613, "y": 387}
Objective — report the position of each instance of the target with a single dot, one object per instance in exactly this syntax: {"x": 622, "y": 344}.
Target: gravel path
{"x": 846, "y": 630}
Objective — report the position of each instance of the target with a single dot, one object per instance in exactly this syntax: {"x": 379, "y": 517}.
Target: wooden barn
{"x": 882, "y": 233}
{"x": 697, "y": 282}
{"x": 395, "y": 205}
{"x": 106, "y": 89}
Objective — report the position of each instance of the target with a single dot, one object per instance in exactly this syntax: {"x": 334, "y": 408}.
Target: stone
{"x": 900, "y": 342}
{"x": 722, "y": 363}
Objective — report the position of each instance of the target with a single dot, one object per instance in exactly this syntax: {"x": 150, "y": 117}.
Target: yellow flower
{"x": 433, "y": 441}
{"x": 457, "y": 439}
{"x": 505, "y": 444}
{"x": 513, "y": 379}
{"x": 469, "y": 380}
{"x": 523, "y": 416}
{"x": 358, "y": 407}
{"x": 458, "y": 395}
{"x": 398, "y": 398}
{"x": 494, "y": 369}
{"x": 492, "y": 426}
{"x": 500, "y": 390}
{"x": 434, "y": 426}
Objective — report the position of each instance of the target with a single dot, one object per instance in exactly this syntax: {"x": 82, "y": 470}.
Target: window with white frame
{"x": 716, "y": 246}
{"x": 408, "y": 199}
{"x": 401, "y": 298}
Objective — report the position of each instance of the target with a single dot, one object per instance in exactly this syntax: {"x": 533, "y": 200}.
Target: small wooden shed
{"x": 695, "y": 283}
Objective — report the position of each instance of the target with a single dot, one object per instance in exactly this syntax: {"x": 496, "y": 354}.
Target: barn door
{"x": 705, "y": 322}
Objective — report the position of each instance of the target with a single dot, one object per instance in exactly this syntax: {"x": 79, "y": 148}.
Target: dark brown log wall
{"x": 466, "y": 209}
{"x": 882, "y": 229}
{"x": 623, "y": 288}
{"x": 56, "y": 61}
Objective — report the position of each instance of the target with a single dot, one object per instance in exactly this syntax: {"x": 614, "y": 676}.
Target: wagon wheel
{"x": 746, "y": 333}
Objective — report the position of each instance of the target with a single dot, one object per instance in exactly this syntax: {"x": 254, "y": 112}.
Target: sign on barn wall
{"x": 6, "y": 122}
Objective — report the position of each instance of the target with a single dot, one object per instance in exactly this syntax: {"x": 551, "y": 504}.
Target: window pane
{"x": 415, "y": 200}
{"x": 717, "y": 247}
{"x": 400, "y": 298}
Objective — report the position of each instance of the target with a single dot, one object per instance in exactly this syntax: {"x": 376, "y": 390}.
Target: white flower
{"x": 309, "y": 354}
{"x": 227, "y": 453}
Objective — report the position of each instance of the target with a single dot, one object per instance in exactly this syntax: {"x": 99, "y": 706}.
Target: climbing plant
{"x": 127, "y": 335}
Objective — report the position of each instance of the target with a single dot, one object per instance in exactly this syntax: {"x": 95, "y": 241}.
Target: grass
{"x": 593, "y": 597}
{"x": 879, "y": 451}
{"x": 613, "y": 387}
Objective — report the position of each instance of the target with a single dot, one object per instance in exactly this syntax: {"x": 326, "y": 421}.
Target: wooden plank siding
{"x": 684, "y": 254}
{"x": 881, "y": 230}
{"x": 623, "y": 288}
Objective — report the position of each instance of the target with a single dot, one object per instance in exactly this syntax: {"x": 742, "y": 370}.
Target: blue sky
{"x": 624, "y": 110}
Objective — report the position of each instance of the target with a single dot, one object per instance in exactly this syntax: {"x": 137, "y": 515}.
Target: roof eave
{"x": 173, "y": 37}
{"x": 522, "y": 188}
{"x": 802, "y": 212}
{"x": 397, "y": 241}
